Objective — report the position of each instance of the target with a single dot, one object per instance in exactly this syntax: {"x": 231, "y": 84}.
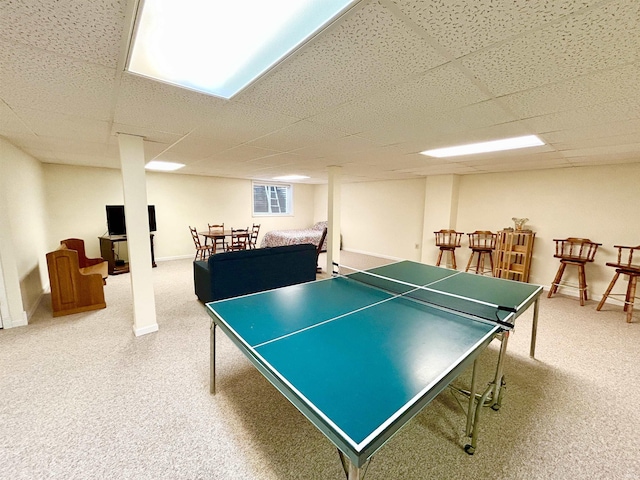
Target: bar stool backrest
{"x": 625, "y": 257}
{"x": 482, "y": 239}
{"x": 448, "y": 238}
{"x": 576, "y": 249}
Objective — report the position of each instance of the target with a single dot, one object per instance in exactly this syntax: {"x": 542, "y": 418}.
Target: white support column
{"x": 440, "y": 211}
{"x": 333, "y": 231}
{"x": 137, "y": 223}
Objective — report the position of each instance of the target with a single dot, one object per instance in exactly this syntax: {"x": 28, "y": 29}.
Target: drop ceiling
{"x": 390, "y": 79}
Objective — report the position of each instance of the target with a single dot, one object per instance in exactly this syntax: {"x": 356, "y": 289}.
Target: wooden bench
{"x": 75, "y": 289}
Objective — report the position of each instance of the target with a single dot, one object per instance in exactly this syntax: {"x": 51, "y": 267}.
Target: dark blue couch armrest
{"x": 201, "y": 279}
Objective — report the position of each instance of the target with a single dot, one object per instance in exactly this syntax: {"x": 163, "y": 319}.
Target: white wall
{"x": 47, "y": 203}
{"x": 76, "y": 199}
{"x": 24, "y": 231}
{"x": 384, "y": 217}
{"x": 599, "y": 202}
{"x": 187, "y": 200}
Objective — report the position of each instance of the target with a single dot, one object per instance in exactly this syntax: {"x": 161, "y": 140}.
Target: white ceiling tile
{"x": 11, "y": 123}
{"x": 606, "y": 130}
{"x": 277, "y": 160}
{"x": 73, "y": 151}
{"x": 588, "y": 116}
{"x": 451, "y": 169}
{"x": 462, "y": 26}
{"x": 159, "y": 106}
{"x": 439, "y": 90}
{"x": 435, "y": 129}
{"x": 54, "y": 124}
{"x": 242, "y": 153}
{"x": 235, "y": 122}
{"x": 345, "y": 145}
{"x": 598, "y": 142}
{"x": 535, "y": 164}
{"x": 150, "y": 136}
{"x": 32, "y": 78}
{"x": 369, "y": 50}
{"x": 514, "y": 159}
{"x": 598, "y": 87}
{"x": 368, "y": 93}
{"x": 602, "y": 38}
{"x": 611, "y": 159}
{"x": 88, "y": 30}
{"x": 630, "y": 149}
{"x": 298, "y": 135}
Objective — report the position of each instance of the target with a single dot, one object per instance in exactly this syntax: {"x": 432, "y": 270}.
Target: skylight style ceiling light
{"x": 219, "y": 47}
{"x": 163, "y": 166}
{"x": 290, "y": 178}
{"x": 484, "y": 147}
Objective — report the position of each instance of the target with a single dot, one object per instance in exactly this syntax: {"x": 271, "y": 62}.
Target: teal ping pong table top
{"x": 360, "y": 361}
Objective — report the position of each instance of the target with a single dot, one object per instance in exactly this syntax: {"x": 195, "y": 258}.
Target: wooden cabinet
{"x": 513, "y": 254}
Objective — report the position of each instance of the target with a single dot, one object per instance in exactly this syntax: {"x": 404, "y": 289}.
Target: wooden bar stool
{"x": 448, "y": 241}
{"x": 482, "y": 243}
{"x": 574, "y": 251}
{"x": 624, "y": 266}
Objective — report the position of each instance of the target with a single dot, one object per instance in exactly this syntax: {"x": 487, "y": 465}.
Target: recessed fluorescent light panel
{"x": 485, "y": 147}
{"x": 291, "y": 178}
{"x": 219, "y": 47}
{"x": 163, "y": 166}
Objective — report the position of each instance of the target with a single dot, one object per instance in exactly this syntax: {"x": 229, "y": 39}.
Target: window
{"x": 272, "y": 199}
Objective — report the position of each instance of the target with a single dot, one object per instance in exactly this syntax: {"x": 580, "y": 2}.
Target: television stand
{"x": 107, "y": 243}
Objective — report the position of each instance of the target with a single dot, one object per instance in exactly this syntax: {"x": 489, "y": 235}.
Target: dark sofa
{"x": 231, "y": 274}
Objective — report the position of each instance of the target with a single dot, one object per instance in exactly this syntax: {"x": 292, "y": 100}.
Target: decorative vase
{"x": 519, "y": 222}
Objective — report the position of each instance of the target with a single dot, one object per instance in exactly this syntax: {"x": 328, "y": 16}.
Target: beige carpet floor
{"x": 82, "y": 398}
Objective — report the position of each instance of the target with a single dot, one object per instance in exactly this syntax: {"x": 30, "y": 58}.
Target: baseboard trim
{"x": 145, "y": 330}
{"x": 371, "y": 254}
{"x": 176, "y": 257}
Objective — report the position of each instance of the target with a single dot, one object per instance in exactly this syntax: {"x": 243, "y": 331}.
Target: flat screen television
{"x": 115, "y": 219}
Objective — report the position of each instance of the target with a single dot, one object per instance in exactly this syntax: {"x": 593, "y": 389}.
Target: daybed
{"x": 276, "y": 238}
{"x": 232, "y": 274}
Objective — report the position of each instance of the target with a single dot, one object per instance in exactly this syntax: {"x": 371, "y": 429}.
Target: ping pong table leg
{"x": 498, "y": 381}
{"x": 472, "y": 399}
{"x": 212, "y": 359}
{"x": 471, "y": 448}
{"x": 350, "y": 469}
{"x": 354, "y": 472}
{"x": 534, "y": 327}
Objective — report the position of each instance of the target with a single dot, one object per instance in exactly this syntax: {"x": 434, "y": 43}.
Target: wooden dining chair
{"x": 202, "y": 251}
{"x": 254, "y": 235}
{"x": 319, "y": 249}
{"x": 625, "y": 266}
{"x": 217, "y": 242}
{"x": 240, "y": 239}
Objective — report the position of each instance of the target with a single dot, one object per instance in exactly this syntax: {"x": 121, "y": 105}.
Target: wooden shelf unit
{"x": 513, "y": 254}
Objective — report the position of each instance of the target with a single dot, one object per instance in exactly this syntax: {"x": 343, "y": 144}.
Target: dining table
{"x": 216, "y": 235}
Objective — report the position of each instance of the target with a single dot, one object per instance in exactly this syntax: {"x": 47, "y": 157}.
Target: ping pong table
{"x": 360, "y": 354}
